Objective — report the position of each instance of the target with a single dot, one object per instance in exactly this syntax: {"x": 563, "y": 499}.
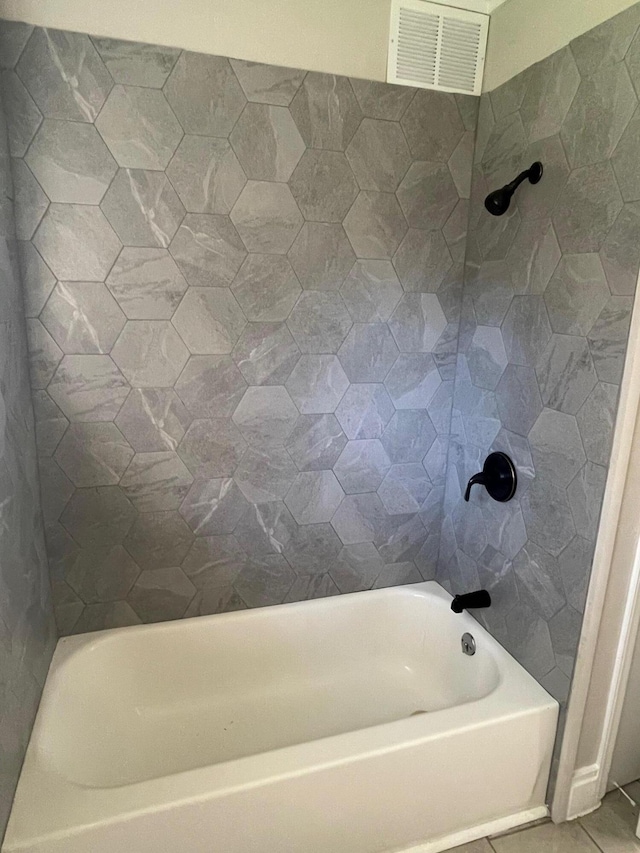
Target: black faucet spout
{"x": 471, "y": 601}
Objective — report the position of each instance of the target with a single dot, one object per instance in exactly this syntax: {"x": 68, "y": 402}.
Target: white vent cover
{"x": 437, "y": 47}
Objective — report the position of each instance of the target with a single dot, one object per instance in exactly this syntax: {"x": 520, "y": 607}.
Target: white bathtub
{"x": 291, "y": 729}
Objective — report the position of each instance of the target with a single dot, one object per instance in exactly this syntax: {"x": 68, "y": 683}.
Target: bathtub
{"x": 353, "y": 724}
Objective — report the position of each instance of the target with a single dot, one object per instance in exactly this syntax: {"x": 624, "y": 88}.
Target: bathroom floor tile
{"x": 613, "y": 825}
{"x": 548, "y": 838}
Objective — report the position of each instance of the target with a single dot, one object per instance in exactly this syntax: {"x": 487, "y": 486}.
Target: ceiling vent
{"x": 437, "y": 47}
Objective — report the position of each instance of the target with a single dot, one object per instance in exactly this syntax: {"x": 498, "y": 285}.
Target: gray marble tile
{"x": 50, "y": 422}
{"x": 24, "y": 115}
{"x": 356, "y": 567}
{"x": 427, "y": 195}
{"x": 103, "y": 577}
{"x": 210, "y": 386}
{"x": 153, "y": 419}
{"x": 624, "y": 160}
{"x": 599, "y": 114}
{"x": 380, "y": 100}
{"x": 418, "y": 322}
{"x": 323, "y": 185}
{"x": 98, "y": 518}
{"x": 205, "y": 94}
{"x": 508, "y": 97}
{"x": 526, "y": 330}
{"x": 371, "y": 291}
{"x": 316, "y": 442}
{"x": 44, "y": 354}
{"x": 365, "y": 411}
{"x": 266, "y": 416}
{"x": 93, "y": 454}
{"x": 267, "y": 217}
{"x": 99, "y": 617}
{"x": 143, "y": 208}
{"x": 159, "y": 539}
{"x": 312, "y": 549}
{"x": 13, "y": 37}
{"x": 83, "y": 317}
{"x": 564, "y": 628}
{"x": 156, "y": 481}
{"x": 317, "y": 384}
{"x": 267, "y": 84}
{"x": 64, "y": 75}
{"x": 206, "y": 175}
{"x": 266, "y": 353}
{"x": 319, "y": 322}
{"x": 531, "y": 645}
{"x": 539, "y": 582}
{"x": 566, "y": 374}
{"x": 150, "y": 353}
{"x": 267, "y": 288}
{"x": 504, "y": 150}
{"x": 139, "y": 127}
{"x": 491, "y": 291}
{"x": 212, "y": 508}
{"x": 607, "y": 44}
{"x": 423, "y": 260}
{"x": 307, "y": 587}
{"x": 362, "y": 466}
{"x": 161, "y": 594}
{"x": 576, "y": 294}
{"x": 608, "y": 339}
{"x": 433, "y": 125}
{"x": 538, "y": 201}
{"x": 405, "y": 488}
{"x": 38, "y": 280}
{"x": 413, "y": 380}
{"x": 454, "y": 231}
{"x": 533, "y": 257}
{"x": 265, "y": 475}
{"x": 30, "y": 202}
{"x": 136, "y": 64}
{"x": 88, "y": 388}
{"x": 556, "y": 447}
{"x": 212, "y": 448}
{"x": 378, "y": 155}
{"x": 321, "y": 256}
{"x": 461, "y": 165}
{"x": 486, "y": 357}
{"x": 620, "y": 253}
{"x": 375, "y": 225}
{"x": 399, "y": 538}
{"x": 368, "y": 353}
{"x": 518, "y": 399}
{"x": 71, "y": 162}
{"x": 547, "y": 516}
{"x": 408, "y": 436}
{"x": 553, "y": 84}
{"x": 585, "y": 493}
{"x": 215, "y": 599}
{"x": 146, "y": 283}
{"x": 267, "y": 143}
{"x": 208, "y": 250}
{"x": 265, "y": 528}
{"x": 575, "y": 566}
{"x": 596, "y": 421}
{"x": 397, "y": 574}
{"x": 587, "y": 209}
{"x": 326, "y": 111}
{"x": 359, "y": 518}
{"x": 214, "y": 561}
{"x": 209, "y": 320}
{"x": 55, "y": 489}
{"x": 77, "y": 242}
{"x": 265, "y": 580}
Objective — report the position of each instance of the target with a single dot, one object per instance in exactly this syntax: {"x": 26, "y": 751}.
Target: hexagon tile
{"x": 262, "y": 371}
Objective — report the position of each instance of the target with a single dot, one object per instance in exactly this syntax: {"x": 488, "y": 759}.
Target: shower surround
{"x": 243, "y": 287}
{"x": 27, "y": 628}
{"x": 547, "y": 302}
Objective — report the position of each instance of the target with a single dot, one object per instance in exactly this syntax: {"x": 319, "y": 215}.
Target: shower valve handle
{"x": 498, "y": 477}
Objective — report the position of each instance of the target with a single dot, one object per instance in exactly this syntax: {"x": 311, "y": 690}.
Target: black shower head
{"x": 497, "y": 202}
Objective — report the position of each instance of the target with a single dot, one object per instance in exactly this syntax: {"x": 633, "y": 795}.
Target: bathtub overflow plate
{"x": 468, "y": 645}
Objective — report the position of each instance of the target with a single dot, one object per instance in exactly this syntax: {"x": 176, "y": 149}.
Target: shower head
{"x": 497, "y": 202}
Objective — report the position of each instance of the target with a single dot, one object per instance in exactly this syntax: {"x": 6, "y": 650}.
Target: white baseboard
{"x": 584, "y": 796}
{"x": 493, "y": 827}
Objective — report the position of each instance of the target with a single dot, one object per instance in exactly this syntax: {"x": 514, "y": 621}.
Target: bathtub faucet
{"x": 471, "y": 601}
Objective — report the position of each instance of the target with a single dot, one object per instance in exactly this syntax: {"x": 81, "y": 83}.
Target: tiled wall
{"x": 547, "y": 302}
{"x": 243, "y": 286}
{"x": 27, "y": 630}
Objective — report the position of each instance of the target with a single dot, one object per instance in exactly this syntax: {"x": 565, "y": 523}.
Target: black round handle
{"x": 498, "y": 477}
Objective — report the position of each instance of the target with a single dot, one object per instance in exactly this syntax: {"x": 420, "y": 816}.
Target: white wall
{"x": 338, "y": 36}
{"x": 523, "y": 32}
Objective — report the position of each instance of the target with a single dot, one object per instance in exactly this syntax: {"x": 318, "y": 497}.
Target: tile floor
{"x": 611, "y": 829}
